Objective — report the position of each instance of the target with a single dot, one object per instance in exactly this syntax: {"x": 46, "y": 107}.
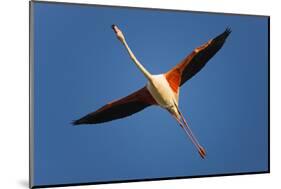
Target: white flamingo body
{"x": 162, "y": 93}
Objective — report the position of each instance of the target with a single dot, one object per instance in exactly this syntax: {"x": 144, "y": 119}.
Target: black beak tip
{"x": 113, "y": 26}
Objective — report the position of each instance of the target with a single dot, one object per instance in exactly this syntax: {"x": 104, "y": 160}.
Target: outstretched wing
{"x": 124, "y": 107}
{"x": 195, "y": 61}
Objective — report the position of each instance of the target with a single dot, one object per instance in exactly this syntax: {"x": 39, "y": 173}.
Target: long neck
{"x": 138, "y": 64}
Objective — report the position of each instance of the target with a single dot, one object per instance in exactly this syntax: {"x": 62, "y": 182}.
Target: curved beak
{"x": 114, "y": 27}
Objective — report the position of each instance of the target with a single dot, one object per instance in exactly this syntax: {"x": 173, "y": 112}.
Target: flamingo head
{"x": 118, "y": 33}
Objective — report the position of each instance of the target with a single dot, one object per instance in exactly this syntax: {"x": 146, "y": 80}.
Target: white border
{"x": 14, "y": 93}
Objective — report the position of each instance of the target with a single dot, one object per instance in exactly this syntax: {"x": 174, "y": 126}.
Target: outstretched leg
{"x": 182, "y": 122}
{"x": 201, "y": 150}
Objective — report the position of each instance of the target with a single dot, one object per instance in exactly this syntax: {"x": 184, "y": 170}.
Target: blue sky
{"x": 80, "y": 66}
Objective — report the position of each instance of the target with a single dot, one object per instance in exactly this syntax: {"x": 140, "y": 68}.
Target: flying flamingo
{"x": 162, "y": 89}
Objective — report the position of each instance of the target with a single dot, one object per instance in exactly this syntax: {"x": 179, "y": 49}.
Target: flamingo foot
{"x": 202, "y": 152}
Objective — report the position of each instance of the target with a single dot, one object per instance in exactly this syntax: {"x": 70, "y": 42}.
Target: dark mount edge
{"x": 31, "y": 94}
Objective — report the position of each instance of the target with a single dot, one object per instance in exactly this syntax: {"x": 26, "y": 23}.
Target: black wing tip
{"x": 227, "y": 31}
{"x": 77, "y": 122}
{"x": 83, "y": 121}
{"x": 222, "y": 37}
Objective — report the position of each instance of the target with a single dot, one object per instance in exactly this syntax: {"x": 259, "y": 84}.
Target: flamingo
{"x": 162, "y": 90}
